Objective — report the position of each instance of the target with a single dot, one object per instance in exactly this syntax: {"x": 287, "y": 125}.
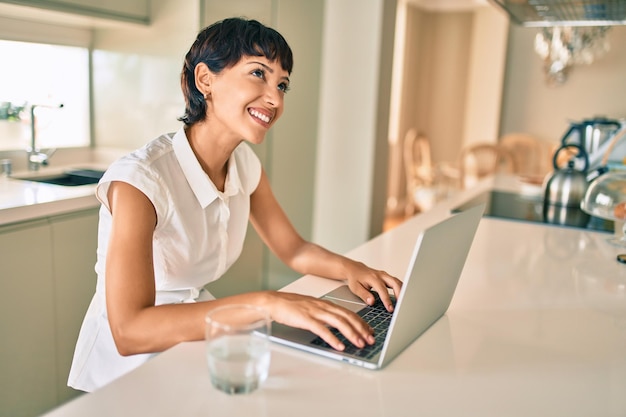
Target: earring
{"x": 206, "y": 96}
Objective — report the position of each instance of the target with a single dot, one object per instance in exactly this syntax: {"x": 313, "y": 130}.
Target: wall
{"x": 451, "y": 78}
{"x": 434, "y": 78}
{"x": 288, "y": 152}
{"x": 485, "y": 79}
{"x": 323, "y": 157}
{"x": 530, "y": 105}
{"x": 295, "y": 138}
{"x": 354, "y": 115}
{"x": 136, "y": 75}
{"x": 459, "y": 59}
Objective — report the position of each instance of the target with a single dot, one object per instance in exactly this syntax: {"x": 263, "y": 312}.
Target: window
{"x": 55, "y": 79}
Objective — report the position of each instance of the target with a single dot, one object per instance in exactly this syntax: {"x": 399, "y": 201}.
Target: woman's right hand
{"x": 316, "y": 315}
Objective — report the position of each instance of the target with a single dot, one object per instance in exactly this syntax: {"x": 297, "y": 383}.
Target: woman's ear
{"x": 202, "y": 75}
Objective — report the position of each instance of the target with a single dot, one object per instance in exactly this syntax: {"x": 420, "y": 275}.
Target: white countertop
{"x": 537, "y": 327}
{"x": 26, "y": 200}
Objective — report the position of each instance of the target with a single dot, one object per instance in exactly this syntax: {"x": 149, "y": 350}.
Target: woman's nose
{"x": 273, "y": 96}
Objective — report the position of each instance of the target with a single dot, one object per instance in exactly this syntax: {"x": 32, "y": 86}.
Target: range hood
{"x": 548, "y": 13}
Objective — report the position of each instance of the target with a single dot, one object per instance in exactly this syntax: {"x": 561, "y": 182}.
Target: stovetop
{"x": 529, "y": 208}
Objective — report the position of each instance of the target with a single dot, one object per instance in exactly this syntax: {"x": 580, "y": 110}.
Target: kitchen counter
{"x": 537, "y": 327}
{"x": 26, "y": 200}
{"x": 22, "y": 200}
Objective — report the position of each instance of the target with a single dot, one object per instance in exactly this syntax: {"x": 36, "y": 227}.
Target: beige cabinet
{"x": 27, "y": 350}
{"x": 47, "y": 279}
{"x": 135, "y": 11}
{"x": 74, "y": 243}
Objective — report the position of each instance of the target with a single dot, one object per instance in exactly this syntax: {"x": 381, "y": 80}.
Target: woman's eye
{"x": 284, "y": 87}
{"x": 258, "y": 73}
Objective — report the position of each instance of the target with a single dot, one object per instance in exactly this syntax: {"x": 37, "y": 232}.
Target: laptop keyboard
{"x": 376, "y": 316}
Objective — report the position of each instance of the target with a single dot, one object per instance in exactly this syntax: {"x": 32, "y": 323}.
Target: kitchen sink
{"x": 70, "y": 178}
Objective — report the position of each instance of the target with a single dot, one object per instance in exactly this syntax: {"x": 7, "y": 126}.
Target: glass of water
{"x": 237, "y": 347}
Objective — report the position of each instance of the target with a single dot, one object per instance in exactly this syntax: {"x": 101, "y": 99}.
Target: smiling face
{"x": 246, "y": 99}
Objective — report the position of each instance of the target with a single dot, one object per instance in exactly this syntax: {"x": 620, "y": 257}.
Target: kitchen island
{"x": 537, "y": 327}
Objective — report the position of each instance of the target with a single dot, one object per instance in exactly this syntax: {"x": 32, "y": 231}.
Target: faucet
{"x": 36, "y": 158}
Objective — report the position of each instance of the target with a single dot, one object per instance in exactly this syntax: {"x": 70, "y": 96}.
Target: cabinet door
{"x": 27, "y": 347}
{"x": 74, "y": 244}
{"x": 135, "y": 11}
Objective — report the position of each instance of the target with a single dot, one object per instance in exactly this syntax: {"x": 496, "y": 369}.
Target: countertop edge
{"x": 39, "y": 210}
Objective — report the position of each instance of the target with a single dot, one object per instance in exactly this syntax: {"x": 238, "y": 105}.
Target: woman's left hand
{"x": 362, "y": 280}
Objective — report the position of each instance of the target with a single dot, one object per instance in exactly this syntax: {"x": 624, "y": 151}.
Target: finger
{"x": 381, "y": 289}
{"x": 318, "y": 315}
{"x": 352, "y": 327}
{"x": 310, "y": 314}
{"x": 328, "y": 337}
{"x": 364, "y": 294}
{"x": 388, "y": 282}
{"x": 395, "y": 284}
{"x": 327, "y": 314}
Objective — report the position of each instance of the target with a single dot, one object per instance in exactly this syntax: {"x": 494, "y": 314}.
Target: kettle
{"x": 565, "y": 189}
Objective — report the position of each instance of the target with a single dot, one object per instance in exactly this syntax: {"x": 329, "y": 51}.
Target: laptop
{"x": 434, "y": 270}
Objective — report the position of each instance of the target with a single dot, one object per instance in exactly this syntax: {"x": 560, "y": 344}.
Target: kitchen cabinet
{"x": 47, "y": 279}
{"x": 74, "y": 243}
{"x": 136, "y": 11}
{"x": 27, "y": 350}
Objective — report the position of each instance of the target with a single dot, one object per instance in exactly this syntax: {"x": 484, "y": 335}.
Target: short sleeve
{"x": 249, "y": 166}
{"x": 137, "y": 175}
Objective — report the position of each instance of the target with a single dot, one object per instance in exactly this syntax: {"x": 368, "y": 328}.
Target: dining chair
{"x": 426, "y": 182}
{"x": 530, "y": 155}
{"x": 479, "y": 160}
{"x": 418, "y": 170}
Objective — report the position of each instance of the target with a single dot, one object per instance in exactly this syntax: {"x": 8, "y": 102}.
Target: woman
{"x": 174, "y": 215}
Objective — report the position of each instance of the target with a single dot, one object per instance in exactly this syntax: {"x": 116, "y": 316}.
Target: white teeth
{"x": 261, "y": 116}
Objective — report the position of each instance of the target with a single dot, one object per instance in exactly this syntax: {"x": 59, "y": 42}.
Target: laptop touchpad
{"x": 345, "y": 298}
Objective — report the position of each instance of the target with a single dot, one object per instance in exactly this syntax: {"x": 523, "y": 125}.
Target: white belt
{"x": 190, "y": 295}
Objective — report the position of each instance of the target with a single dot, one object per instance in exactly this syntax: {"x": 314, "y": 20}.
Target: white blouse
{"x": 199, "y": 234}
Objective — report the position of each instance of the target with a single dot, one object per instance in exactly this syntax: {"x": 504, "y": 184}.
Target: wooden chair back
{"x": 417, "y": 159}
{"x": 483, "y": 159}
{"x": 419, "y": 172}
{"x": 530, "y": 155}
